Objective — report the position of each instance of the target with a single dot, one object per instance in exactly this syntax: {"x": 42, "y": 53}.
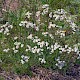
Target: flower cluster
{"x": 51, "y": 48}
{"x": 28, "y": 14}
{"x": 60, "y": 64}
{"x": 51, "y": 25}
{"x": 42, "y": 60}
{"x": 61, "y": 15}
{"x": 61, "y": 33}
{"x": 47, "y": 33}
{"x": 6, "y": 50}
{"x": 17, "y": 46}
{"x": 38, "y": 13}
{"x": 28, "y": 24}
{"x": 45, "y": 9}
{"x": 6, "y": 28}
{"x": 45, "y": 42}
{"x": 76, "y": 50}
{"x": 34, "y": 49}
{"x": 24, "y": 59}
{"x": 38, "y": 41}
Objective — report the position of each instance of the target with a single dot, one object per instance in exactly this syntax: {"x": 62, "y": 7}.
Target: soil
{"x": 9, "y": 5}
{"x": 39, "y": 73}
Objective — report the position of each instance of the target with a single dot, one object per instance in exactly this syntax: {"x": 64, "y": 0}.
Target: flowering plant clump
{"x": 50, "y": 40}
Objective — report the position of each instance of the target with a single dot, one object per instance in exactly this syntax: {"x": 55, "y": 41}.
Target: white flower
{"x": 6, "y": 29}
{"x": 22, "y": 62}
{"x": 22, "y": 56}
{"x": 38, "y": 43}
{"x": 56, "y": 46}
{"x": 75, "y": 49}
{"x": 62, "y": 34}
{"x": 46, "y": 43}
{"x": 1, "y": 30}
{"x": 34, "y": 50}
{"x": 7, "y": 33}
{"x": 41, "y": 53}
{"x": 52, "y": 37}
{"x": 45, "y": 6}
{"x": 60, "y": 64}
{"x": 15, "y": 51}
{"x": 42, "y": 44}
{"x": 60, "y": 11}
{"x": 10, "y": 26}
{"x": 78, "y": 52}
{"x": 38, "y": 50}
{"x": 17, "y": 43}
{"x": 23, "y": 23}
{"x": 20, "y": 24}
{"x": 58, "y": 59}
{"x": 22, "y": 45}
{"x": 51, "y": 25}
{"x": 27, "y": 50}
{"x": 52, "y": 46}
{"x": 37, "y": 13}
{"x": 45, "y": 11}
{"x": 28, "y": 14}
{"x": 37, "y": 40}
{"x": 31, "y": 24}
{"x": 60, "y": 52}
{"x": 66, "y": 46}
{"x": 6, "y": 50}
{"x": 24, "y": 59}
{"x": 34, "y": 40}
{"x": 13, "y": 48}
{"x": 17, "y": 46}
{"x": 62, "y": 49}
{"x": 56, "y": 16}
{"x": 0, "y": 61}
{"x": 42, "y": 60}
{"x": 78, "y": 56}
{"x": 35, "y": 47}
{"x": 45, "y": 33}
{"x": 29, "y": 47}
{"x": 30, "y": 36}
{"x": 52, "y": 50}
{"x": 27, "y": 26}
{"x": 50, "y": 15}
{"x": 42, "y": 49}
{"x": 69, "y": 49}
{"x": 4, "y": 10}
{"x": 37, "y": 28}
{"x": 15, "y": 38}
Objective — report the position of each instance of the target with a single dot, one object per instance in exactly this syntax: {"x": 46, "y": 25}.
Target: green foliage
{"x": 1, "y": 78}
{"x": 12, "y": 61}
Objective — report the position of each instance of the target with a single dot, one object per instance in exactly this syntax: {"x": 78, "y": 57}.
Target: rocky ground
{"x": 73, "y": 73}
{"x": 9, "y": 4}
